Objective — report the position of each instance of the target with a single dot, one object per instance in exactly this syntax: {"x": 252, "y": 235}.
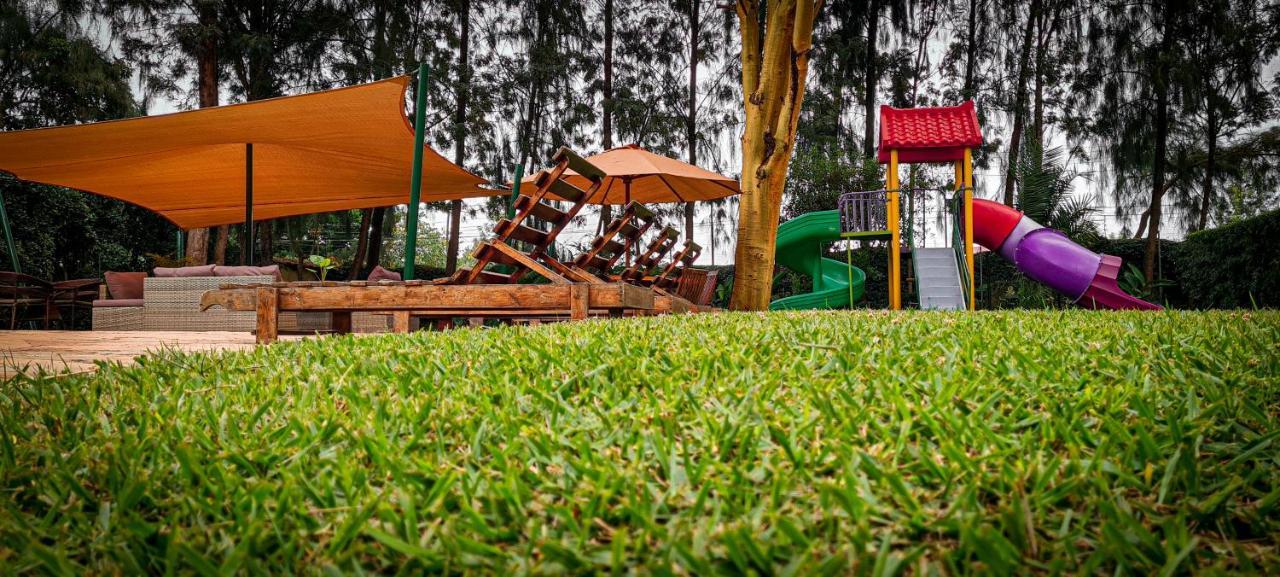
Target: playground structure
{"x": 944, "y": 275}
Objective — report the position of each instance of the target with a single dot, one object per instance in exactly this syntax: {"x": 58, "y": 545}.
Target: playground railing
{"x": 864, "y": 211}
{"x": 956, "y": 207}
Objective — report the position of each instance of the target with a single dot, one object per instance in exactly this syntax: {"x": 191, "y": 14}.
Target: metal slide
{"x": 938, "y": 279}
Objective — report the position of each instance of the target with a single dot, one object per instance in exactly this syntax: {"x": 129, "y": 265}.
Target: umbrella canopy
{"x": 324, "y": 151}
{"x": 637, "y": 174}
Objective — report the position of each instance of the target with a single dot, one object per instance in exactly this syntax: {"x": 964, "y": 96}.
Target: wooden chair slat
{"x": 578, "y": 164}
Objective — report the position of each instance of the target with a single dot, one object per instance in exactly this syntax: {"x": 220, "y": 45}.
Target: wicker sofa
{"x": 173, "y": 304}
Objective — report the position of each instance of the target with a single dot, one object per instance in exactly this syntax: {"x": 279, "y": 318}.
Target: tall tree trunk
{"x": 1161, "y": 88}
{"x": 1211, "y": 136}
{"x": 871, "y": 79}
{"x": 606, "y": 104}
{"x": 1045, "y": 30}
{"x": 460, "y": 128}
{"x": 381, "y": 68}
{"x": 220, "y": 246}
{"x": 207, "y": 80}
{"x": 773, "y": 83}
{"x": 971, "y": 52}
{"x": 373, "y": 257}
{"x": 1142, "y": 223}
{"x": 1037, "y": 115}
{"x": 535, "y": 94}
{"x": 691, "y": 118}
{"x": 1020, "y": 102}
{"x": 264, "y": 229}
{"x": 362, "y": 245}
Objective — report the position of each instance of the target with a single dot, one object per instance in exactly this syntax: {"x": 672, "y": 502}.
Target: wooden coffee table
{"x": 407, "y": 299}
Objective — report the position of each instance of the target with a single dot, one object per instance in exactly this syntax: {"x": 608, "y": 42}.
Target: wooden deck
{"x": 76, "y": 351}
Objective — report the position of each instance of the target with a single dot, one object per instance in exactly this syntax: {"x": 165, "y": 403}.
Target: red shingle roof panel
{"x": 950, "y": 129}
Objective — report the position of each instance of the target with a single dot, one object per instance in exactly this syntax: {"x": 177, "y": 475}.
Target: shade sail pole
{"x": 627, "y": 201}
{"x": 246, "y": 252}
{"x": 415, "y": 187}
{"x": 8, "y": 237}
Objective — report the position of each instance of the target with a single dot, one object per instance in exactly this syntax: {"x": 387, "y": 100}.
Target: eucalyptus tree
{"x": 1229, "y": 46}
{"x": 380, "y": 38}
{"x": 62, "y": 233}
{"x": 542, "y": 58}
{"x": 460, "y": 60}
{"x": 1136, "y": 60}
{"x": 775, "y": 46}
{"x": 167, "y": 39}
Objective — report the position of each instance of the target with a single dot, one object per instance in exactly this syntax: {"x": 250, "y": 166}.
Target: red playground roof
{"x": 928, "y": 134}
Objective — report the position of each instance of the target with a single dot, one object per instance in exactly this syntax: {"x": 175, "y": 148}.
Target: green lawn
{"x": 797, "y": 444}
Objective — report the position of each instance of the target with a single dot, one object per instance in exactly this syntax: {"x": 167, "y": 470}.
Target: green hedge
{"x": 1233, "y": 266}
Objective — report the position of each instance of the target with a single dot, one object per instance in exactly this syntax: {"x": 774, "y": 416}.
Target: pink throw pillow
{"x": 272, "y": 271}
{"x": 124, "y": 285}
{"x": 378, "y": 273}
{"x": 185, "y": 271}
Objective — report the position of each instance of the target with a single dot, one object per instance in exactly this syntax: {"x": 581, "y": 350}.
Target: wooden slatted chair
{"x": 642, "y": 267}
{"x": 535, "y": 257}
{"x": 622, "y": 233}
{"x": 697, "y": 286}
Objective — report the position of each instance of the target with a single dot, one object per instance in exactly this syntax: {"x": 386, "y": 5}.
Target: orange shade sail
{"x": 650, "y": 178}
{"x": 334, "y": 150}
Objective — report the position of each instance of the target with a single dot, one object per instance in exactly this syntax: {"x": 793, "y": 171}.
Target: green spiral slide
{"x": 800, "y": 248}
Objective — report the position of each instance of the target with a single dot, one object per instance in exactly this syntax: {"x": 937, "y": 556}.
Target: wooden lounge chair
{"x": 669, "y": 278}
{"x": 618, "y": 238}
{"x": 642, "y": 267}
{"x": 501, "y": 250}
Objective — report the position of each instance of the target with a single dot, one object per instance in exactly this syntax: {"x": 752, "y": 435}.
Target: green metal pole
{"x": 8, "y": 237}
{"x": 515, "y": 191}
{"x": 182, "y": 244}
{"x": 415, "y": 187}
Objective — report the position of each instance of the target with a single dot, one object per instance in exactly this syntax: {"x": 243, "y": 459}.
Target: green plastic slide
{"x": 800, "y": 247}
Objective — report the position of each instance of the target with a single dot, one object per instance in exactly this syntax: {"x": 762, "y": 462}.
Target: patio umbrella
{"x": 637, "y": 174}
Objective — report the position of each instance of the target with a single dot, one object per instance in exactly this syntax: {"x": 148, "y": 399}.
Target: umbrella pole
{"x": 627, "y": 196}
{"x": 415, "y": 187}
{"x": 182, "y": 244}
{"x": 8, "y": 237}
{"x": 246, "y": 252}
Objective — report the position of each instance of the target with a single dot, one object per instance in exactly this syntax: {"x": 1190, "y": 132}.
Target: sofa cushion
{"x": 124, "y": 285}
{"x": 185, "y": 271}
{"x": 116, "y": 303}
{"x": 378, "y": 273}
{"x": 272, "y": 271}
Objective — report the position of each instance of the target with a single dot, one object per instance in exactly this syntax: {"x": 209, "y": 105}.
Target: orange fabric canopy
{"x": 333, "y": 150}
{"x": 653, "y": 178}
